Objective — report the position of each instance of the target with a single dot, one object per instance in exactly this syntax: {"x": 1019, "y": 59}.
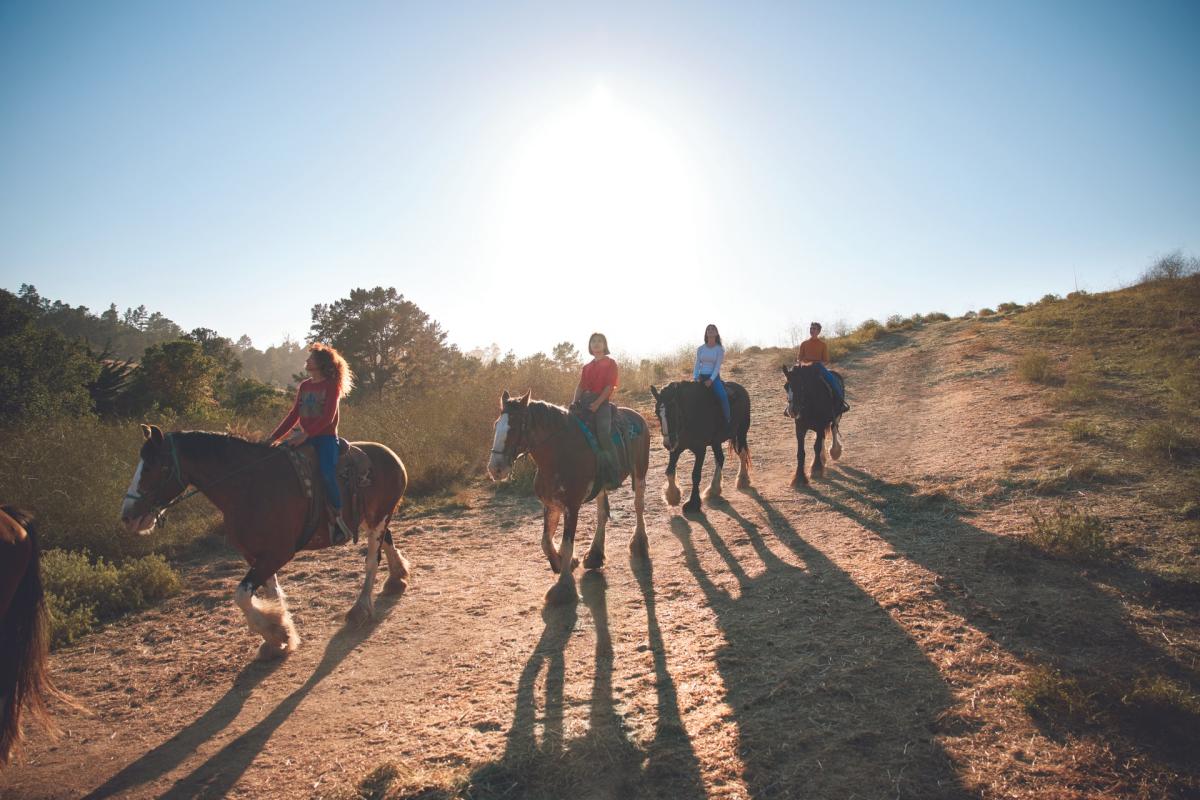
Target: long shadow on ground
{"x": 831, "y": 697}
{"x": 1044, "y": 611}
{"x": 220, "y": 772}
{"x": 607, "y": 762}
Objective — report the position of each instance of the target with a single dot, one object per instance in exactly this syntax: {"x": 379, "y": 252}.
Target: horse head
{"x": 157, "y": 481}
{"x": 806, "y": 390}
{"x": 666, "y": 408}
{"x": 512, "y": 435}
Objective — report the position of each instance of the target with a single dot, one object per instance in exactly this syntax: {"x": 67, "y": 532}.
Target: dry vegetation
{"x": 996, "y": 594}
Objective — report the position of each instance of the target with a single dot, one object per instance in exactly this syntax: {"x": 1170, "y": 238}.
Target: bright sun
{"x": 600, "y": 189}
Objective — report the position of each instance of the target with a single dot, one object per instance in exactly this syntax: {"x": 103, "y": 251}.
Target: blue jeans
{"x": 839, "y": 391}
{"x": 327, "y": 457}
{"x": 718, "y": 388}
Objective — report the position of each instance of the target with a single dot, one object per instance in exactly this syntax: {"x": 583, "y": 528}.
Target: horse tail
{"x": 25, "y": 683}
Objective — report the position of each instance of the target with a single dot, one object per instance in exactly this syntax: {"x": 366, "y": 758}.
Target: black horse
{"x": 690, "y": 415}
{"x": 814, "y": 407}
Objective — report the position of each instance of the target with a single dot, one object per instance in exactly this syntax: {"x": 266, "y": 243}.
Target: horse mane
{"x": 543, "y": 413}
{"x": 211, "y": 444}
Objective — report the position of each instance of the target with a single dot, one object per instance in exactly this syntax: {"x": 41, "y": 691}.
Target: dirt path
{"x": 862, "y": 638}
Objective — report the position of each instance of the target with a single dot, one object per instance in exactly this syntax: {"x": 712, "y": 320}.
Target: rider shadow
{"x": 1039, "y": 609}
{"x": 1044, "y": 611}
{"x": 607, "y": 760}
{"x": 830, "y": 696}
{"x": 215, "y": 777}
{"x": 168, "y": 755}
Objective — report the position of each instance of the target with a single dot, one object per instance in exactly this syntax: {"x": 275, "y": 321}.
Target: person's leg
{"x": 604, "y": 437}
{"x": 327, "y": 458}
{"x": 834, "y": 383}
{"x": 723, "y": 397}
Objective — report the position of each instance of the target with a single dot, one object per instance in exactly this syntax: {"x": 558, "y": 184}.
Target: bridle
{"x": 176, "y": 474}
{"x": 515, "y": 436}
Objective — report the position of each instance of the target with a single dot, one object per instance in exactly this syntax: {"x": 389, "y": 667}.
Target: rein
{"x": 177, "y": 474}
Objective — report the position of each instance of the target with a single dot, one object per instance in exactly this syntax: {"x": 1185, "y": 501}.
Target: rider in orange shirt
{"x": 813, "y": 350}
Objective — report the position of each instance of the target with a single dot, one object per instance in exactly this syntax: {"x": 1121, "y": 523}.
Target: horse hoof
{"x": 562, "y": 594}
{"x": 270, "y": 651}
{"x": 818, "y": 472}
{"x": 799, "y": 482}
{"x": 593, "y": 561}
{"x": 394, "y": 586}
{"x": 359, "y": 614}
{"x": 672, "y": 495}
{"x": 691, "y": 507}
{"x": 639, "y": 546}
{"x": 835, "y": 453}
{"x": 743, "y": 482}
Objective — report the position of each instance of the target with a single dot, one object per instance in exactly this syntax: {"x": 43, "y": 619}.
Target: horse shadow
{"x": 831, "y": 697}
{"x": 1044, "y": 611}
{"x": 217, "y": 775}
{"x": 607, "y": 761}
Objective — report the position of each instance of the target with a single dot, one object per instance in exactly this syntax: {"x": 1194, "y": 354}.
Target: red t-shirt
{"x": 599, "y": 375}
{"x": 316, "y": 409}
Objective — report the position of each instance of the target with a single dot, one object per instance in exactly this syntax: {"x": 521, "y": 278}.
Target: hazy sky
{"x": 528, "y": 173}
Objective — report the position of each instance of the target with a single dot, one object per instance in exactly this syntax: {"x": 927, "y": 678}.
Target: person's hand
{"x": 593, "y": 407}
{"x": 708, "y": 383}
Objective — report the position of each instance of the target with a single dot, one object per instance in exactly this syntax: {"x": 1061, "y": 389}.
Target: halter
{"x": 159, "y": 509}
{"x": 176, "y": 473}
{"x": 520, "y": 450}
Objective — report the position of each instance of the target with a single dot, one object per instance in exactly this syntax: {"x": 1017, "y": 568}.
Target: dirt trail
{"x": 859, "y": 638}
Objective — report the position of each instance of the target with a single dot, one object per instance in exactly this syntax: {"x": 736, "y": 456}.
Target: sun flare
{"x": 600, "y": 188}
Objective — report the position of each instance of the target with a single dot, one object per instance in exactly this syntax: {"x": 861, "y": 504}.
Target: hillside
{"x": 985, "y": 597}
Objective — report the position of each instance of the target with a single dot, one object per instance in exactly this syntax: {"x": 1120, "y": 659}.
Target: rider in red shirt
{"x": 596, "y": 385}
{"x": 316, "y": 409}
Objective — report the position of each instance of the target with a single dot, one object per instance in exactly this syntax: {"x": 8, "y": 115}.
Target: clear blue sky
{"x": 527, "y": 173}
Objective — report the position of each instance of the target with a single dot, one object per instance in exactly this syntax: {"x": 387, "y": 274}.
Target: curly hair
{"x": 333, "y": 366}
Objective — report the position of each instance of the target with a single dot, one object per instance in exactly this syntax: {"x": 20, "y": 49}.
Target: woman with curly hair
{"x": 316, "y": 409}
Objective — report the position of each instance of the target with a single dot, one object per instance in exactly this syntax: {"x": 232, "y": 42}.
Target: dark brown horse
{"x": 257, "y": 490}
{"x": 24, "y": 681}
{"x": 812, "y": 404}
{"x": 566, "y": 478}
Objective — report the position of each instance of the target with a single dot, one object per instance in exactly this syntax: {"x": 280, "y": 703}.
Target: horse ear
{"x": 156, "y": 435}
{"x": 654, "y": 391}
{"x": 145, "y": 431}
{"x": 524, "y": 399}
{"x": 504, "y": 398}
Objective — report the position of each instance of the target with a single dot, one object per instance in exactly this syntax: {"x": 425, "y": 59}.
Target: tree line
{"x": 66, "y": 360}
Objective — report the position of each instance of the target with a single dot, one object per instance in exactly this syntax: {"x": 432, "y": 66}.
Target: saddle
{"x": 353, "y": 474}
{"x": 624, "y": 431}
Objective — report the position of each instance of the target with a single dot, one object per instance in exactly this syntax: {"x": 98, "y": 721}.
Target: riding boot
{"x": 339, "y": 532}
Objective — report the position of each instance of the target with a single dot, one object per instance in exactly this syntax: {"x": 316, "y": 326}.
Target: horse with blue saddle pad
{"x": 566, "y": 452}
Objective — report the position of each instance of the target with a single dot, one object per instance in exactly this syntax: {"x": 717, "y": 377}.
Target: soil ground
{"x": 863, "y": 637}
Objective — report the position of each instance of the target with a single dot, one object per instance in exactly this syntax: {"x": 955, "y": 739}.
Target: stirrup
{"x": 339, "y": 532}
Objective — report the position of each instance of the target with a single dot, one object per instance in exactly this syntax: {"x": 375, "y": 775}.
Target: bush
{"x": 986, "y": 312}
{"x": 937, "y": 316}
{"x": 1172, "y": 266}
{"x": 1034, "y": 366}
{"x": 83, "y": 593}
{"x": 1048, "y": 298}
{"x": 1081, "y": 430}
{"x": 1162, "y": 440}
{"x": 1069, "y": 533}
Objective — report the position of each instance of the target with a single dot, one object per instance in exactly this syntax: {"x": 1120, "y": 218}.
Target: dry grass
{"x": 1035, "y": 367}
{"x": 1069, "y": 533}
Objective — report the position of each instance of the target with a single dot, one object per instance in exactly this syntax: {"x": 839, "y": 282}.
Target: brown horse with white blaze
{"x": 259, "y": 494}
{"x": 566, "y": 475}
{"x": 25, "y": 683}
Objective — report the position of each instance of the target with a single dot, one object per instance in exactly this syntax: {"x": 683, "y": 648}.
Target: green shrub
{"x": 1049, "y": 694}
{"x": 1034, "y": 366}
{"x": 937, "y": 316}
{"x": 1162, "y": 439}
{"x": 1048, "y": 298}
{"x": 1069, "y": 532}
{"x": 1009, "y": 307}
{"x": 83, "y": 593}
{"x": 1081, "y": 430}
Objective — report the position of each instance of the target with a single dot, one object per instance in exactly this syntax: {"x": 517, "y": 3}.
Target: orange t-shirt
{"x": 813, "y": 350}
{"x": 599, "y": 374}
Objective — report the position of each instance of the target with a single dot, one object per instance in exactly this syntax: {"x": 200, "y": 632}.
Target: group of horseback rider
{"x": 318, "y": 400}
